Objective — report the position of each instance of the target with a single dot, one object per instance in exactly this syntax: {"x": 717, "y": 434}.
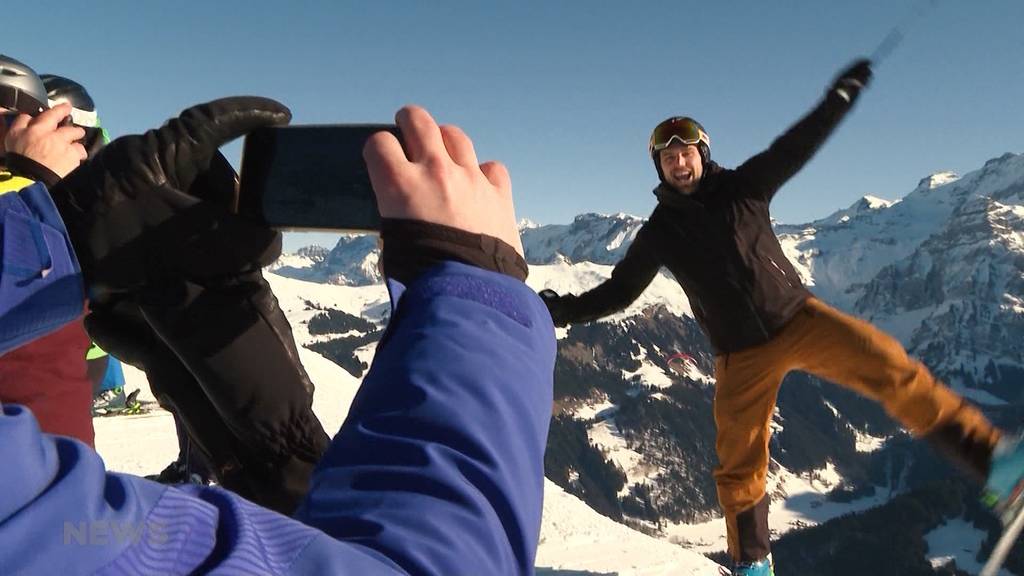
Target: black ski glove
{"x": 131, "y": 214}
{"x": 557, "y": 306}
{"x": 247, "y": 407}
{"x": 191, "y": 307}
{"x": 852, "y": 80}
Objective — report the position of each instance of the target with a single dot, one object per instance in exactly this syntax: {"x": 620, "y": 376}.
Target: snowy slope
{"x": 575, "y": 538}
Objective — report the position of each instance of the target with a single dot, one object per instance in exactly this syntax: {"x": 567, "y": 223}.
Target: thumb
{"x": 191, "y": 139}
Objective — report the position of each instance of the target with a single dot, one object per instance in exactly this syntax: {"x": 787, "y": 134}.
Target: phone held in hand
{"x": 310, "y": 177}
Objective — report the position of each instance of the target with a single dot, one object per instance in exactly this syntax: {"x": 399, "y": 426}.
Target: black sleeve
{"x": 29, "y": 168}
{"x": 413, "y": 246}
{"x": 766, "y": 172}
{"x": 629, "y": 279}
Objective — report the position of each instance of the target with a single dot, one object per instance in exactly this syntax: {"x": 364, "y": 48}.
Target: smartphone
{"x": 310, "y": 177}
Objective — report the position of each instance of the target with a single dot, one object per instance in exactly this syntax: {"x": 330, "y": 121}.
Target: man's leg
{"x": 747, "y": 383}
{"x": 855, "y": 354}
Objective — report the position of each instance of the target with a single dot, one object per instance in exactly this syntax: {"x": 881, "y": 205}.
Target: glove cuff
{"x": 29, "y": 168}
{"x": 413, "y": 246}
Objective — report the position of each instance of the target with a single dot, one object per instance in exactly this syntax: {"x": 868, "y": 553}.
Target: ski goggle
{"x": 682, "y": 130}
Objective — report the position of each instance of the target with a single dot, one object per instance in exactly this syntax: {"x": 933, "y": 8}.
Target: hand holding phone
{"x": 310, "y": 177}
{"x": 435, "y": 176}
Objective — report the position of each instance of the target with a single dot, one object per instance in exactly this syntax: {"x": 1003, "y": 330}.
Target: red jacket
{"x": 48, "y": 375}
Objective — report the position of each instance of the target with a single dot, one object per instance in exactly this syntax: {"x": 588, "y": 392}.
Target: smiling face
{"x": 681, "y": 166}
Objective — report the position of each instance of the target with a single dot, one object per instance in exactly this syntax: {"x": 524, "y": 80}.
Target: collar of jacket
{"x": 12, "y": 183}
{"x": 671, "y": 197}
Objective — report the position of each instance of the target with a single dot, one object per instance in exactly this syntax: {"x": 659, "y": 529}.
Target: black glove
{"x": 247, "y": 408}
{"x": 852, "y": 80}
{"x": 132, "y": 216}
{"x": 557, "y": 305}
{"x": 191, "y": 307}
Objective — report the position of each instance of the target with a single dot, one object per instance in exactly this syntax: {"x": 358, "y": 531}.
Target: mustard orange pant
{"x": 837, "y": 347}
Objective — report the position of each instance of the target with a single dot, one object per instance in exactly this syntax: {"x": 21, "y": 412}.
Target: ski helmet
{"x": 20, "y": 87}
{"x": 83, "y": 110}
{"x": 684, "y": 130}
{"x": 60, "y": 89}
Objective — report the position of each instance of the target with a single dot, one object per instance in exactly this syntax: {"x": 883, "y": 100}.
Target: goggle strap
{"x": 664, "y": 145}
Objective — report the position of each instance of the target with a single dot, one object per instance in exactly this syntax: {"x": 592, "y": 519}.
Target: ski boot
{"x": 109, "y": 402}
{"x": 1004, "y": 488}
{"x": 760, "y": 568}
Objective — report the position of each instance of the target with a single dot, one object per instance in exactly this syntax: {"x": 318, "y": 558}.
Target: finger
{"x": 218, "y": 122}
{"x": 50, "y": 119}
{"x": 497, "y": 175}
{"x": 200, "y": 130}
{"x": 80, "y": 150}
{"x": 420, "y": 133}
{"x": 71, "y": 133}
{"x": 20, "y": 123}
{"x": 459, "y": 146}
{"x": 384, "y": 158}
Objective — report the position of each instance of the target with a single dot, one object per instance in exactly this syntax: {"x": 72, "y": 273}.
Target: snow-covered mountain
{"x": 941, "y": 267}
{"x": 352, "y": 262}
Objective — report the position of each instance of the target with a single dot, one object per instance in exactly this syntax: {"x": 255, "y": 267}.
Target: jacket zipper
{"x": 785, "y": 277}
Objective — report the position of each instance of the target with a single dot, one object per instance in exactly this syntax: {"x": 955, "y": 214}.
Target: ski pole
{"x": 895, "y": 36}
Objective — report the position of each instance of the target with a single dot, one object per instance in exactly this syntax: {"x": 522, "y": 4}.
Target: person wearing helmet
{"x": 48, "y": 375}
{"x": 104, "y": 371}
{"x": 21, "y": 89}
{"x": 712, "y": 230}
{"x": 83, "y": 109}
{"x": 265, "y": 451}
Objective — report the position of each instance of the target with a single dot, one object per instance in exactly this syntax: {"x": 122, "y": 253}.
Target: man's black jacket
{"x": 719, "y": 244}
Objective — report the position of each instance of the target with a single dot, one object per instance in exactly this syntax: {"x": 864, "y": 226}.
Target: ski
{"x": 1005, "y": 543}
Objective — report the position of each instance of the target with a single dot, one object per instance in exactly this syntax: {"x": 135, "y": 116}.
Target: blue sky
{"x": 566, "y": 92}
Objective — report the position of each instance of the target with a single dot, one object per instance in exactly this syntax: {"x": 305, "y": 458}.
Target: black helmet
{"x": 60, "y": 89}
{"x": 20, "y": 87}
{"x": 83, "y": 110}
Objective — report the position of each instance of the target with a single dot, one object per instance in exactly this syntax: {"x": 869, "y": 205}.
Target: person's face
{"x": 681, "y": 166}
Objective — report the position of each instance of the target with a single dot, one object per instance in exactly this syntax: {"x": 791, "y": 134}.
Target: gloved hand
{"x": 192, "y": 308}
{"x": 134, "y": 219}
{"x": 248, "y": 411}
{"x": 557, "y": 306}
{"x": 852, "y": 80}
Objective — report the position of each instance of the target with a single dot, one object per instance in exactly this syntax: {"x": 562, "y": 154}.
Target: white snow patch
{"x": 600, "y": 409}
{"x": 649, "y": 374}
{"x": 956, "y": 540}
{"x": 607, "y": 436}
{"x": 575, "y": 538}
{"x": 867, "y": 442}
{"x": 805, "y": 505}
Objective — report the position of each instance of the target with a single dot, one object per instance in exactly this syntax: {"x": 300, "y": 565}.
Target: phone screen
{"x": 310, "y": 177}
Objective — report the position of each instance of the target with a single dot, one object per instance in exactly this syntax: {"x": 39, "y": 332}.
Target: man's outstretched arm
{"x": 630, "y": 277}
{"x": 766, "y": 172}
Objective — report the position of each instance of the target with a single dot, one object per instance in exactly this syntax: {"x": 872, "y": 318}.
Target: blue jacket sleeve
{"x": 40, "y": 280}
{"x": 440, "y": 463}
{"x": 437, "y": 470}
